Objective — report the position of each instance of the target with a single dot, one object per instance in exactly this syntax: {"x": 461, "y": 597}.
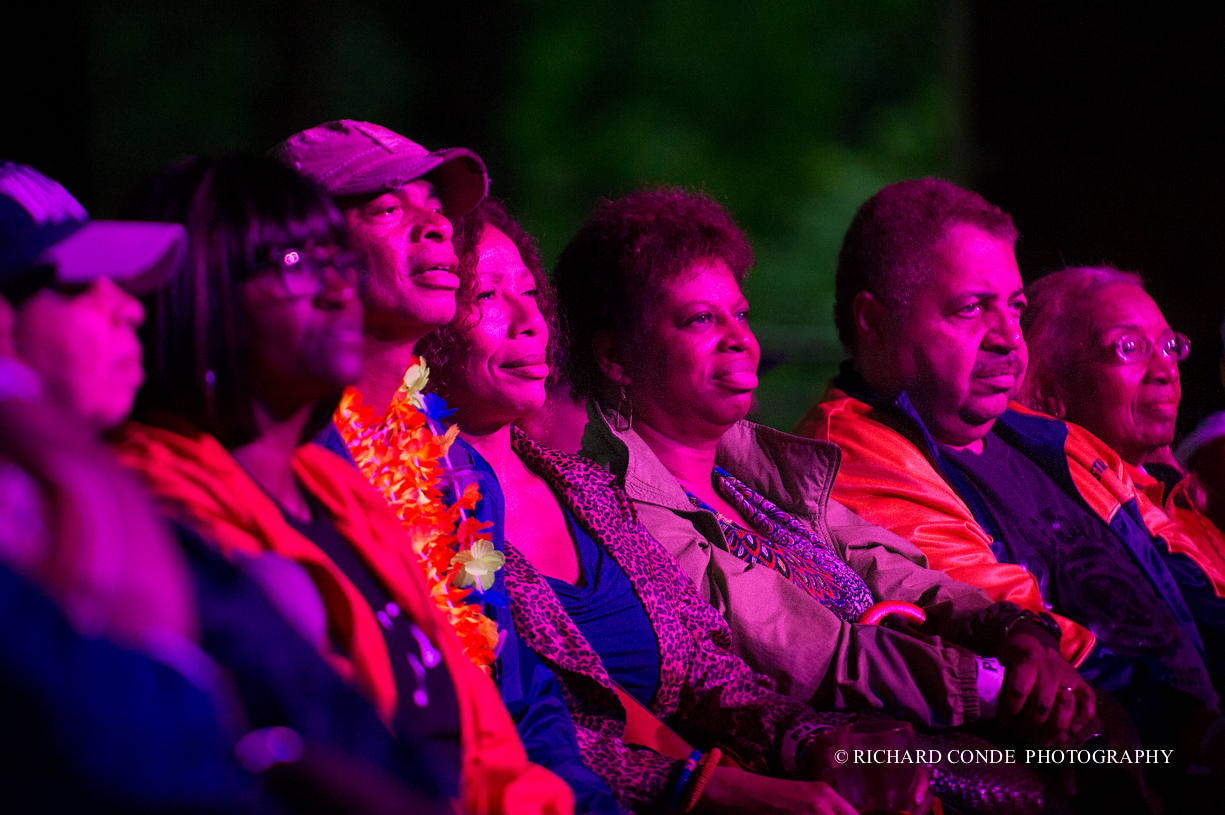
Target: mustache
{"x": 1008, "y": 365}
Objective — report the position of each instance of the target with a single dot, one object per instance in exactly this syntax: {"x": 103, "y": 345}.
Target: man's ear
{"x": 608, "y": 355}
{"x": 869, "y": 315}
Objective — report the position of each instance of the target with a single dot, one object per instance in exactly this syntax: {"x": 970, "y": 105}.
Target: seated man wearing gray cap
{"x": 396, "y": 197}
{"x": 398, "y": 200}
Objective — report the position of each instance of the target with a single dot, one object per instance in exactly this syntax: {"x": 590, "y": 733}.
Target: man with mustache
{"x": 928, "y": 304}
{"x": 399, "y": 200}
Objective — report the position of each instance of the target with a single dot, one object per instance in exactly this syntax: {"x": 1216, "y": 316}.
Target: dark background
{"x": 1101, "y": 131}
{"x": 1098, "y": 127}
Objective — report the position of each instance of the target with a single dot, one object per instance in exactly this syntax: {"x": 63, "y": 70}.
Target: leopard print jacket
{"x": 705, "y": 693}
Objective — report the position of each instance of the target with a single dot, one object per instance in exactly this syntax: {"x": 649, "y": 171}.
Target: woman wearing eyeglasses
{"x": 1101, "y": 355}
{"x": 248, "y": 350}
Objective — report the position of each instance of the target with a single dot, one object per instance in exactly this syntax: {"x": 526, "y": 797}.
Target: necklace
{"x": 404, "y": 457}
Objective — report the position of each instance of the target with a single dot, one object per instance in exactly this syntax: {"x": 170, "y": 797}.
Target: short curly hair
{"x": 1051, "y": 323}
{"x": 609, "y": 274}
{"x": 438, "y": 347}
{"x": 887, "y": 248}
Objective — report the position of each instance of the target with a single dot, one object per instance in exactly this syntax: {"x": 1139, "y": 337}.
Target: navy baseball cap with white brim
{"x": 43, "y": 229}
{"x": 349, "y": 158}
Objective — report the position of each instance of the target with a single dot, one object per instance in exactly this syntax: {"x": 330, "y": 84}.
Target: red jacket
{"x": 1199, "y": 540}
{"x": 199, "y": 482}
{"x": 889, "y": 480}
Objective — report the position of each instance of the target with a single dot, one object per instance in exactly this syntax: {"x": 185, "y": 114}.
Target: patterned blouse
{"x": 704, "y": 691}
{"x": 778, "y": 540}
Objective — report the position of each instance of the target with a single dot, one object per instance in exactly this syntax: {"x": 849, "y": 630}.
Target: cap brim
{"x": 457, "y": 174}
{"x": 137, "y": 255}
{"x": 461, "y": 181}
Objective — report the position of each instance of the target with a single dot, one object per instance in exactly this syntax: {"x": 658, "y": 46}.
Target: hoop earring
{"x": 627, "y": 414}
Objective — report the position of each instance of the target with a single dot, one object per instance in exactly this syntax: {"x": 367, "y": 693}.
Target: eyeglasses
{"x": 301, "y": 272}
{"x": 1134, "y": 349}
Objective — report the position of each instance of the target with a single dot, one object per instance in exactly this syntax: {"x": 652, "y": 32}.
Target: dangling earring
{"x": 627, "y": 413}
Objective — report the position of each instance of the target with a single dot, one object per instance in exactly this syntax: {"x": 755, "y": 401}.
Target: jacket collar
{"x": 850, "y": 382}
{"x": 635, "y": 466}
{"x": 1039, "y": 437}
{"x": 1033, "y": 433}
{"x": 797, "y": 473}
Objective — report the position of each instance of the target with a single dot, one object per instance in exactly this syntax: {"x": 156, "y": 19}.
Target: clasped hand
{"x": 1044, "y": 700}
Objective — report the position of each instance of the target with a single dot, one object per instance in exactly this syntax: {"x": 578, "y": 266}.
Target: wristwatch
{"x": 1043, "y": 620}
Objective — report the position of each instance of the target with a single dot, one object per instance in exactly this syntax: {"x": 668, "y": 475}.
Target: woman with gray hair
{"x": 1102, "y": 355}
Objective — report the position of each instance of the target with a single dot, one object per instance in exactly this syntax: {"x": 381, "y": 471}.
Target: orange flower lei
{"x": 402, "y": 456}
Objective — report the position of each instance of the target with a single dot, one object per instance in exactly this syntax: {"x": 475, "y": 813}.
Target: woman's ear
{"x": 609, "y": 357}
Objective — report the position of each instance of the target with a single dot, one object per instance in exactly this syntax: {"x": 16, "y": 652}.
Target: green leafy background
{"x": 790, "y": 113}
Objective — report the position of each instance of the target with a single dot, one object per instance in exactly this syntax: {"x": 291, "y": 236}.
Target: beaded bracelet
{"x": 709, "y": 763}
{"x": 691, "y": 764}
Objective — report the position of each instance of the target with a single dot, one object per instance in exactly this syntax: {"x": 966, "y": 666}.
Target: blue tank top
{"x": 609, "y": 614}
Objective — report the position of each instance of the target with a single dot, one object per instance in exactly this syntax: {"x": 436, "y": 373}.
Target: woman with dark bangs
{"x": 591, "y": 592}
{"x": 249, "y": 349}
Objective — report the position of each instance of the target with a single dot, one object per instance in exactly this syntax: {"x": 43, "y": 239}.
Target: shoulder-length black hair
{"x": 238, "y": 209}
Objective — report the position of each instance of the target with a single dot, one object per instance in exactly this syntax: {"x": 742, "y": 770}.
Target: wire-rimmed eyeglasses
{"x": 1133, "y": 349}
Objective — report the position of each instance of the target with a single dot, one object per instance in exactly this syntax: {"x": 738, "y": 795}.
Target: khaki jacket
{"x": 778, "y": 629}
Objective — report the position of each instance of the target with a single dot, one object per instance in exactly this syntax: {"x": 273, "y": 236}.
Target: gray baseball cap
{"x": 360, "y": 158}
